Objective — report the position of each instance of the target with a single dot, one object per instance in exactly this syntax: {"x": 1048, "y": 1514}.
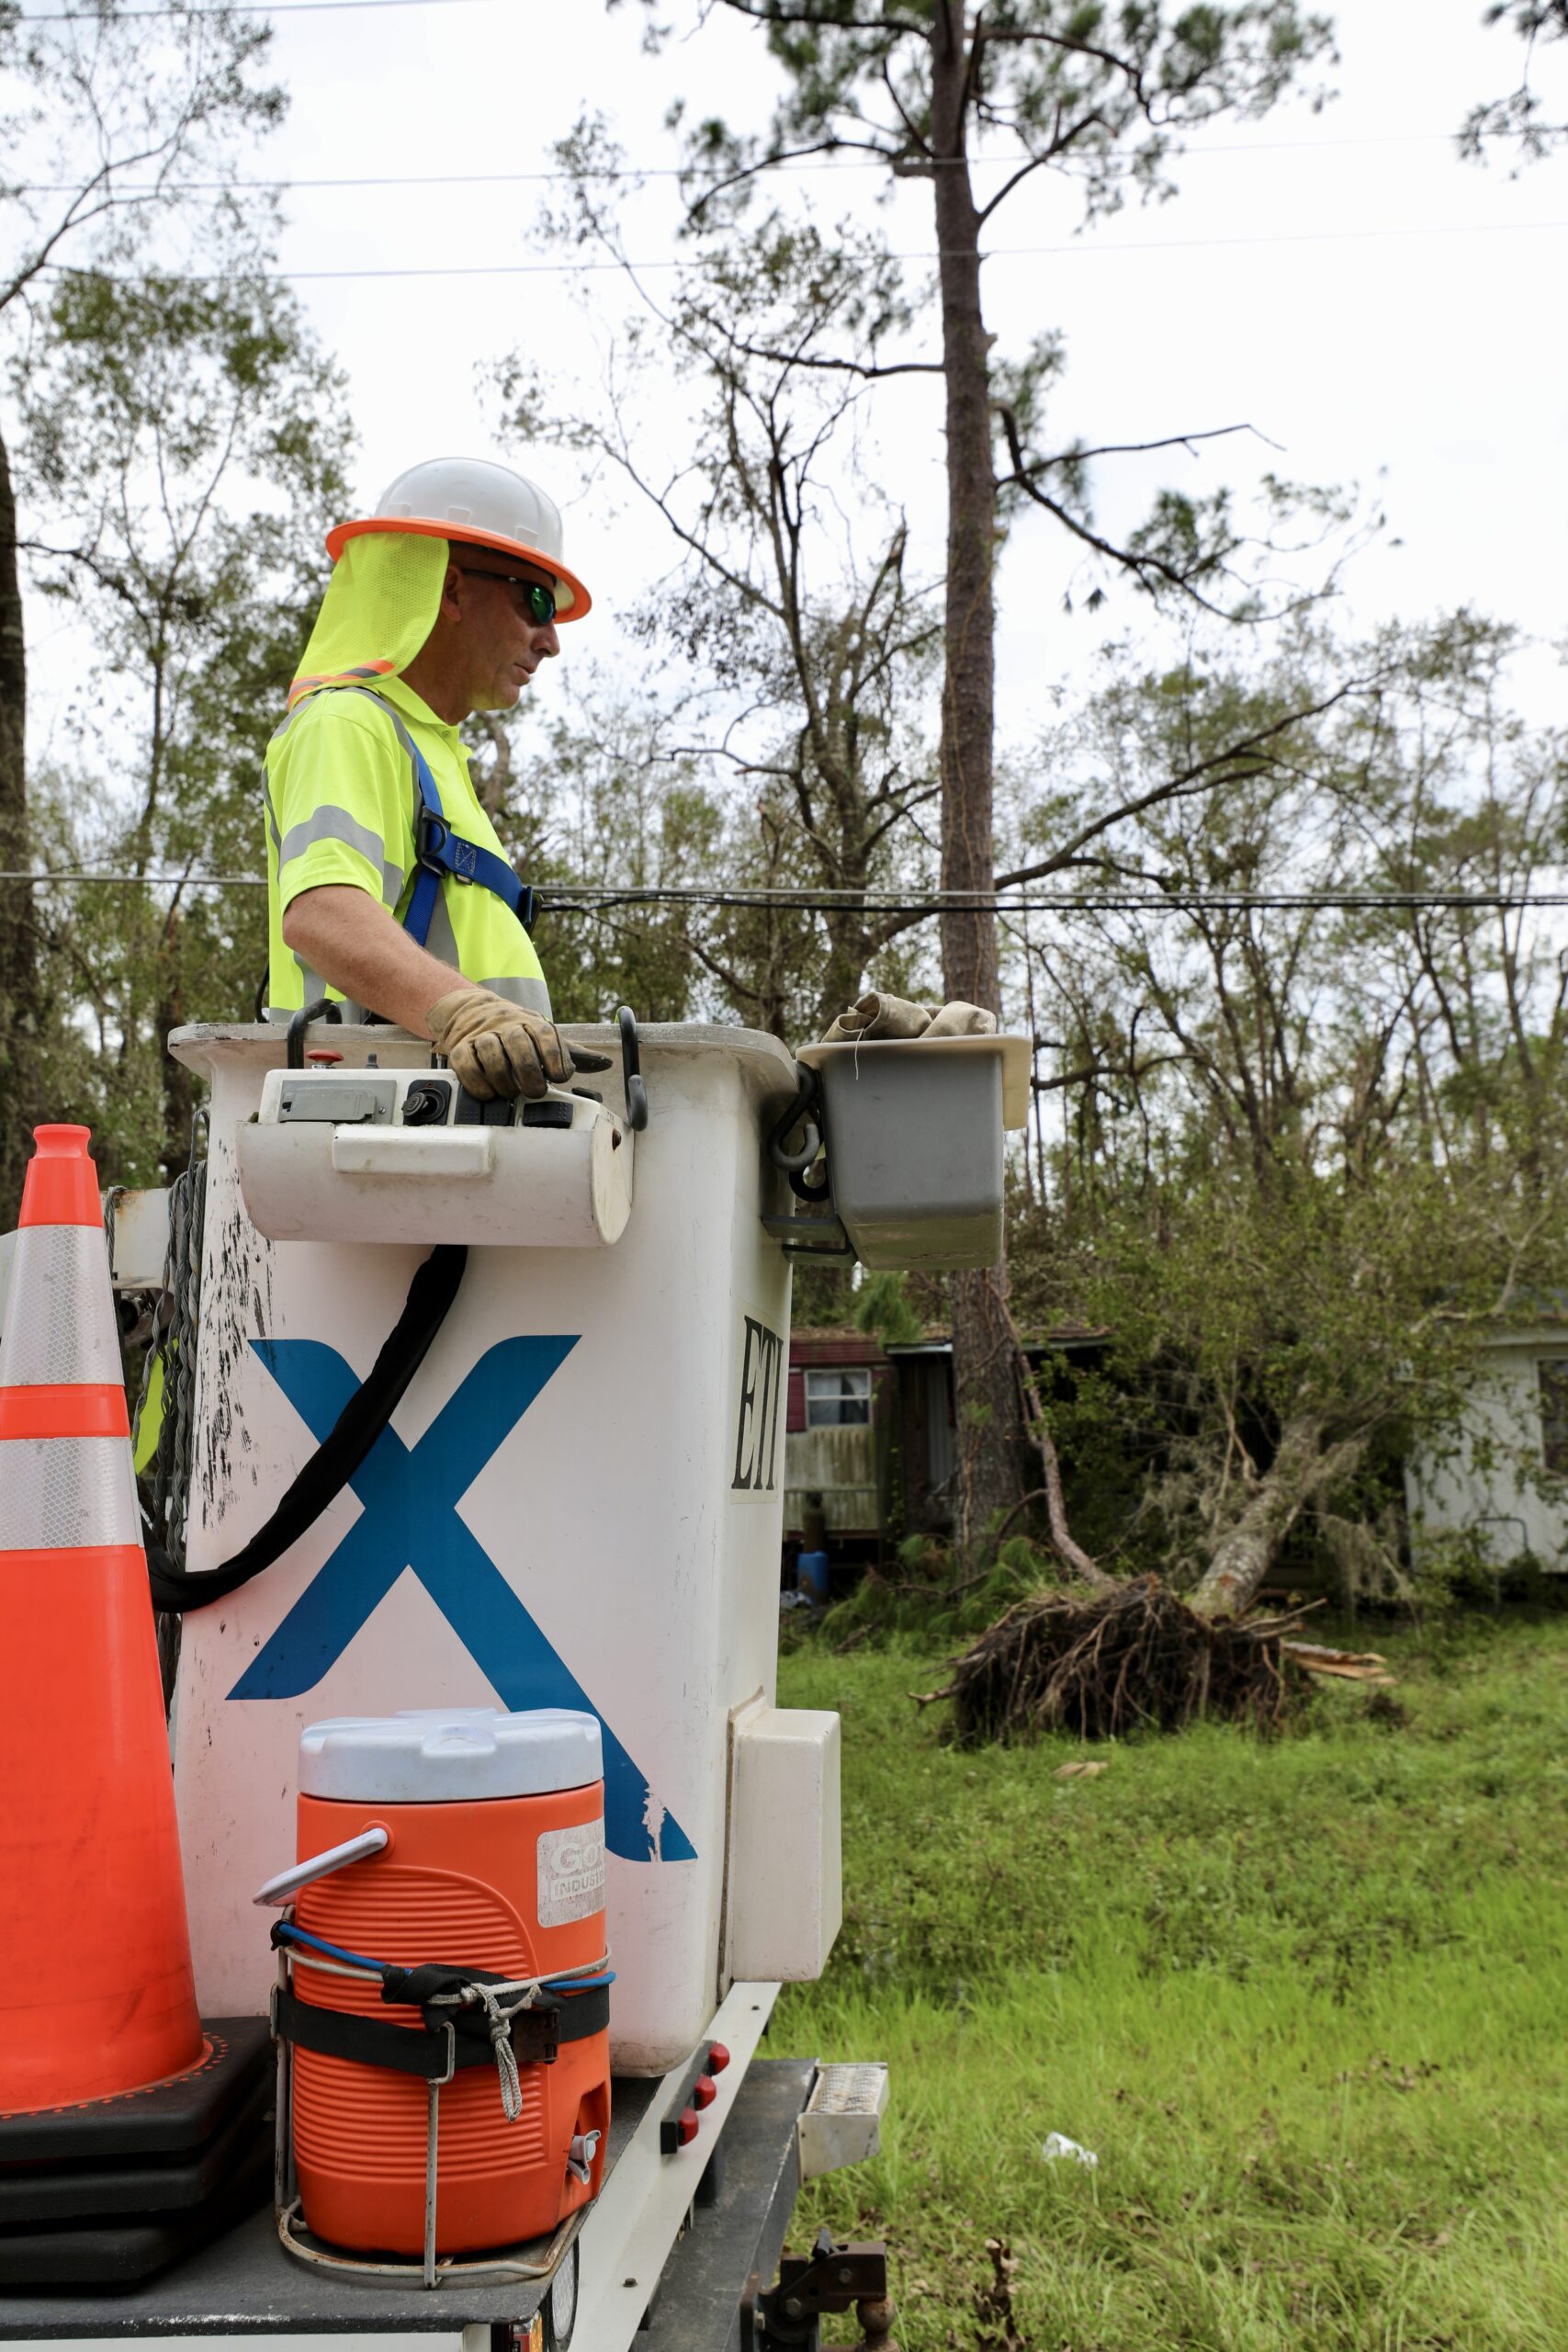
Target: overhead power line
{"x": 792, "y": 169}
{"x": 569, "y": 897}
{"x": 241, "y": 8}
{"x": 997, "y": 252}
{"x": 566, "y": 898}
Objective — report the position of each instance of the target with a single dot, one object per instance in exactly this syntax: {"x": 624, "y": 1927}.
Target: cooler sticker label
{"x": 571, "y": 1873}
{"x": 760, "y": 1394}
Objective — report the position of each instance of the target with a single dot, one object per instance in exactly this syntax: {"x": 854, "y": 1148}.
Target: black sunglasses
{"x": 541, "y": 600}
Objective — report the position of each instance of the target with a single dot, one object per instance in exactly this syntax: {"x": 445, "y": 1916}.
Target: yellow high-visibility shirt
{"x": 341, "y": 800}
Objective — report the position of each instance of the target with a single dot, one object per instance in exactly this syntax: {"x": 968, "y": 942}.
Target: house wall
{"x": 838, "y": 1465}
{"x": 1491, "y": 1482}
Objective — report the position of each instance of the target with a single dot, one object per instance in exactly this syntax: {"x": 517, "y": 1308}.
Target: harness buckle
{"x": 447, "y": 855}
{"x": 431, "y": 833}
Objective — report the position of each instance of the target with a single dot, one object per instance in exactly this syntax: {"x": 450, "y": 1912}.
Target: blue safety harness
{"x": 440, "y": 852}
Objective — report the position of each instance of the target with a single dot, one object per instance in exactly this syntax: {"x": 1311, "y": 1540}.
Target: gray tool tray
{"x": 913, "y": 1129}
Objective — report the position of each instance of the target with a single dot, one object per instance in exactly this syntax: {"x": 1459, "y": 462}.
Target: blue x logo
{"x": 409, "y": 1520}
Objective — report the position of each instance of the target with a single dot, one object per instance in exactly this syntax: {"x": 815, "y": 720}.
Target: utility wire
{"x": 792, "y": 169}
{"x": 581, "y": 898}
{"x": 997, "y": 252}
{"x": 152, "y": 881}
{"x": 239, "y": 8}
{"x": 565, "y": 898}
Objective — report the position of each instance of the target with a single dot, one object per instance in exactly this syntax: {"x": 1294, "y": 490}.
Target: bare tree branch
{"x": 1203, "y": 776}
{"x": 1137, "y": 448}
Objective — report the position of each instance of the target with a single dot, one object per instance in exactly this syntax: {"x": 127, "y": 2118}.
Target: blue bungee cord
{"x": 286, "y": 1931}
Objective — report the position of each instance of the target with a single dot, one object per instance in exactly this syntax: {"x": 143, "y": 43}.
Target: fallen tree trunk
{"x": 1132, "y": 1653}
{"x": 1349, "y": 1666}
{"x": 1071, "y": 1553}
{"x": 1301, "y": 1470}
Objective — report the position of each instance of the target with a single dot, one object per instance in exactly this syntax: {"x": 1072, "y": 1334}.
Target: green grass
{"x": 1307, "y": 2000}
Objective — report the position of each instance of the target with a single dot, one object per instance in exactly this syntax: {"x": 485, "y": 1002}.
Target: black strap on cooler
{"x": 450, "y": 2042}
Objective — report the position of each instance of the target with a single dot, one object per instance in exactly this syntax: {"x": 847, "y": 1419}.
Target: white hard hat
{"x": 480, "y": 504}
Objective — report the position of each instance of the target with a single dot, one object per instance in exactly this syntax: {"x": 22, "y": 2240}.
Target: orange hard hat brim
{"x": 581, "y": 602}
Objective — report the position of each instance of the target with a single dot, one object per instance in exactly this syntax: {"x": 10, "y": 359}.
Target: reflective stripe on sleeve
{"x": 60, "y": 1493}
{"x": 328, "y": 823}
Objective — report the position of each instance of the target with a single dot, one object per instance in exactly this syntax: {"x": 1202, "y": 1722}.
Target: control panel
{"x": 405, "y": 1099}
{"x": 368, "y": 1155}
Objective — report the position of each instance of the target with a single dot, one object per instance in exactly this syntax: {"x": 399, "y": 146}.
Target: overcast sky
{"x": 1340, "y": 279}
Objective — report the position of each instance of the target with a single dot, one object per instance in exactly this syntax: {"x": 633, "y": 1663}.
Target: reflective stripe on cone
{"x": 69, "y": 1332}
{"x": 57, "y": 1493}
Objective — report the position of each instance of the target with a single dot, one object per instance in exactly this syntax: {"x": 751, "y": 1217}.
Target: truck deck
{"x": 665, "y": 2256}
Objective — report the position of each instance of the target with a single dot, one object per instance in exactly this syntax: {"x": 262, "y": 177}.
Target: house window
{"x": 841, "y": 1400}
{"x": 1553, "y": 1374}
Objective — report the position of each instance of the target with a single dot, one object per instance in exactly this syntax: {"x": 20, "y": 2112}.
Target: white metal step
{"x": 841, "y": 2121}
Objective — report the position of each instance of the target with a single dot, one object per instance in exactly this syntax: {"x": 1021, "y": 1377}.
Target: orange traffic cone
{"x": 95, "y": 1990}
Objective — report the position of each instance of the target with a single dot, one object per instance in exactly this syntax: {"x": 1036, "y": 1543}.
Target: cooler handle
{"x": 287, "y": 1884}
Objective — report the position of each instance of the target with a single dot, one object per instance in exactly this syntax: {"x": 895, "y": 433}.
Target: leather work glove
{"x": 875, "y": 1017}
{"x": 496, "y": 1049}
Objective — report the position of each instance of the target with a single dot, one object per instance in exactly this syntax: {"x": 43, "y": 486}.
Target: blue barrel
{"x": 811, "y": 1575}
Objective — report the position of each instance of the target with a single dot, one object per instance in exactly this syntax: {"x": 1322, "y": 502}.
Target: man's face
{"x": 502, "y": 643}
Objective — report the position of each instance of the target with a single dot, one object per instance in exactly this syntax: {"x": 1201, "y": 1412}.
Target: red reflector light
{"x": 687, "y": 2126}
{"x": 718, "y": 2058}
{"x": 705, "y": 2090}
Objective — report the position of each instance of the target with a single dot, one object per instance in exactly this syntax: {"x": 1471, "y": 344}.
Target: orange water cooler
{"x": 474, "y": 1839}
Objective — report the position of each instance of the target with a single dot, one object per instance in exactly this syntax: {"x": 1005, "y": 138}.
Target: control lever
{"x": 805, "y": 1112}
{"x": 631, "y": 1070}
{"x": 325, "y": 1008}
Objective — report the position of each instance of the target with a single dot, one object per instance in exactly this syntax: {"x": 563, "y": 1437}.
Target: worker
{"x": 386, "y": 886}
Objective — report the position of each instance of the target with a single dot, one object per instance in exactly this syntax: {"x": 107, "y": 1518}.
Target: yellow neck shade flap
{"x": 379, "y": 607}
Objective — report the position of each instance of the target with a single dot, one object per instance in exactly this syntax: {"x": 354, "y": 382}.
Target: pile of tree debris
{"x": 1129, "y": 1657}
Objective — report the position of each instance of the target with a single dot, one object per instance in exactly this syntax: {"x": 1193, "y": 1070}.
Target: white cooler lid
{"x": 446, "y": 1755}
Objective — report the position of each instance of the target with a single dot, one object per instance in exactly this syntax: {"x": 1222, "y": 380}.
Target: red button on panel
{"x": 705, "y": 2090}
{"x": 718, "y": 2058}
{"x": 687, "y": 2126}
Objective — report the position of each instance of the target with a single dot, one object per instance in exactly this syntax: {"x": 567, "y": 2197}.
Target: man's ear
{"x": 452, "y": 593}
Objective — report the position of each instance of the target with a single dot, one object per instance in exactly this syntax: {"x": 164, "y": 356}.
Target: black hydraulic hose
{"x": 340, "y": 1452}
